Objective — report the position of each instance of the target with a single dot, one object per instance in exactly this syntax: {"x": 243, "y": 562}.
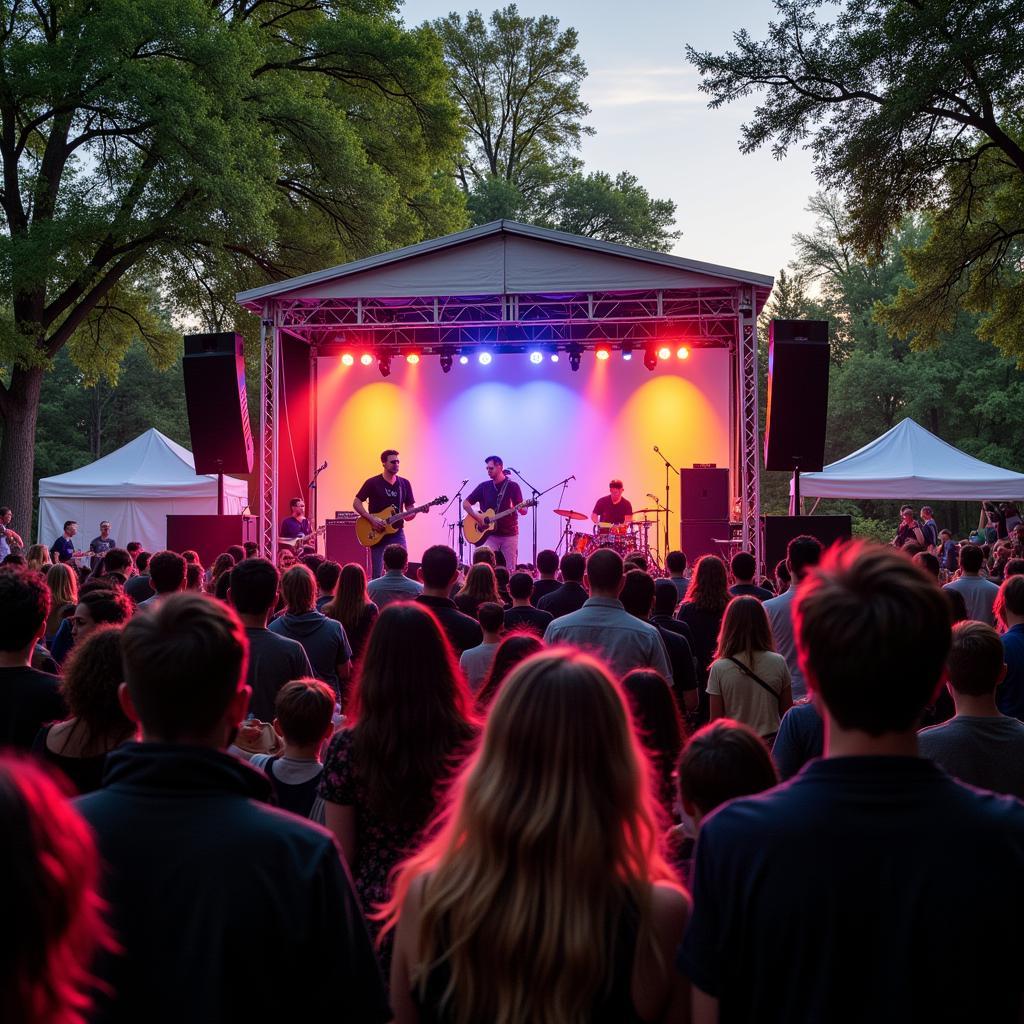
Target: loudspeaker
{"x": 218, "y": 413}
{"x": 780, "y": 530}
{"x": 705, "y": 494}
{"x": 794, "y": 431}
{"x": 210, "y": 536}
{"x": 698, "y": 537}
{"x": 342, "y": 545}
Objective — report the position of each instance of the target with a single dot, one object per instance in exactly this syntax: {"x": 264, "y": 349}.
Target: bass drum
{"x": 582, "y": 543}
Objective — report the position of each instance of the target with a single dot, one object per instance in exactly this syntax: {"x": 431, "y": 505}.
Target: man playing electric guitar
{"x": 498, "y": 494}
{"x": 388, "y": 488}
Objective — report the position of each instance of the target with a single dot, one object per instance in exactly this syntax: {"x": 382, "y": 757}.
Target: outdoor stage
{"x": 519, "y": 295}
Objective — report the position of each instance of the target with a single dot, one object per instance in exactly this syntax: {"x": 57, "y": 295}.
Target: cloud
{"x": 643, "y": 86}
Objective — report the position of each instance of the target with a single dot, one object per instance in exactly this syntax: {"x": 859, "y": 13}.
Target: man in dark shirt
{"x": 571, "y": 595}
{"x": 438, "y": 571}
{"x": 547, "y": 566}
{"x": 63, "y": 548}
{"x": 744, "y": 569}
{"x": 273, "y": 660}
{"x": 140, "y": 586}
{"x": 801, "y": 738}
{"x": 884, "y": 923}
{"x": 378, "y": 493}
{"x": 613, "y": 509}
{"x": 499, "y": 493}
{"x": 28, "y": 699}
{"x": 675, "y": 562}
{"x": 224, "y": 908}
{"x": 665, "y": 602}
{"x": 1010, "y": 606}
{"x": 296, "y": 525}
{"x": 522, "y": 615}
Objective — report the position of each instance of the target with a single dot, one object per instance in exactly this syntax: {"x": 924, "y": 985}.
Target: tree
{"x": 906, "y": 105}
{"x": 204, "y": 145}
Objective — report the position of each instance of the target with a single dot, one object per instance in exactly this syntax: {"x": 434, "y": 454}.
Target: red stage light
{"x": 413, "y": 358}
{"x": 603, "y": 352}
{"x": 366, "y": 359}
{"x": 348, "y": 359}
{"x": 682, "y": 352}
{"x": 664, "y": 352}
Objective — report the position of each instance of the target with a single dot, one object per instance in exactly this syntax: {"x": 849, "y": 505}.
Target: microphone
{"x": 466, "y": 481}
{"x": 649, "y": 495}
{"x": 512, "y": 469}
{"x": 657, "y": 449}
{"x": 573, "y": 477}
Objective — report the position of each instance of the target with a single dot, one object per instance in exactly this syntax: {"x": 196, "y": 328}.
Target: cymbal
{"x": 646, "y": 511}
{"x": 568, "y": 513}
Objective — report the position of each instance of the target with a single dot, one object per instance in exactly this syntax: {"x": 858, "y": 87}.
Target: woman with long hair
{"x": 62, "y": 581}
{"x": 749, "y": 682}
{"x": 481, "y": 585}
{"x": 352, "y": 607}
{"x": 703, "y": 607}
{"x": 79, "y": 745}
{"x": 223, "y": 563}
{"x": 410, "y": 725}
{"x": 513, "y": 649}
{"x": 37, "y": 558}
{"x": 544, "y": 897}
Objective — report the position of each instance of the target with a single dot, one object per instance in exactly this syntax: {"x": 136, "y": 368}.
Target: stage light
{"x": 536, "y": 358}
{"x": 463, "y": 360}
{"x": 554, "y": 357}
{"x": 574, "y": 357}
{"x": 348, "y": 359}
{"x": 384, "y": 364}
{"x": 366, "y": 359}
{"x": 484, "y": 358}
{"x": 603, "y": 353}
{"x": 664, "y": 352}
{"x": 682, "y": 352}
{"x": 627, "y": 350}
{"x": 650, "y": 358}
{"x": 413, "y": 358}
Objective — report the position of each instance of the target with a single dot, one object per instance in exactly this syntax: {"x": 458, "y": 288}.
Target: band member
{"x": 388, "y": 488}
{"x": 296, "y": 525}
{"x": 613, "y": 509}
{"x": 499, "y": 492}
{"x": 63, "y": 548}
{"x": 100, "y": 545}
{"x": 8, "y": 538}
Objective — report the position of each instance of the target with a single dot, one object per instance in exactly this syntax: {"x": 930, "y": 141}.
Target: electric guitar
{"x": 477, "y": 534}
{"x": 368, "y": 534}
{"x": 297, "y": 542}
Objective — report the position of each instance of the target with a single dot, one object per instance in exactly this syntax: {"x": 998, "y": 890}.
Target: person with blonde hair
{"x": 544, "y": 897}
{"x": 37, "y": 558}
{"x": 62, "y": 581}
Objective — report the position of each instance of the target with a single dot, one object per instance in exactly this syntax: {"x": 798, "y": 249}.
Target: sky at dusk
{"x": 734, "y": 210}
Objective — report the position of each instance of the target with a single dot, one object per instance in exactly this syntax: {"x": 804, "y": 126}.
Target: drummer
{"x": 612, "y": 513}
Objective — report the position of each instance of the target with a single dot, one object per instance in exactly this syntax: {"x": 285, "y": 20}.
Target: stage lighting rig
{"x": 650, "y": 357}
{"x": 575, "y": 352}
{"x": 384, "y": 363}
{"x": 446, "y": 360}
{"x": 627, "y": 350}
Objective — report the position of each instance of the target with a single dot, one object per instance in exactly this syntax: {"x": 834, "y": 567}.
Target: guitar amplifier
{"x": 341, "y": 544}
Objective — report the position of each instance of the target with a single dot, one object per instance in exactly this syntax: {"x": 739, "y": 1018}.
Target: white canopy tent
{"x": 910, "y": 462}
{"x": 134, "y": 488}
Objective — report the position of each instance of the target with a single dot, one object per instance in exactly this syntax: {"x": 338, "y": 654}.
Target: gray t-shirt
{"x": 476, "y": 663}
{"x": 273, "y": 661}
{"x": 979, "y": 596}
{"x": 987, "y": 752}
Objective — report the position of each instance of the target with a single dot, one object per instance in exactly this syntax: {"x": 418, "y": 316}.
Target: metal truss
{"x": 747, "y": 414}
{"x": 269, "y": 384}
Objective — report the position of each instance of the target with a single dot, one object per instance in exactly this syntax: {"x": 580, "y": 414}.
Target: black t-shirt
{"x": 376, "y": 494}
{"x": 607, "y": 511}
{"x": 487, "y": 495}
{"x": 462, "y": 631}
{"x": 751, "y": 590}
{"x": 532, "y": 619}
{"x": 541, "y": 588}
{"x": 28, "y": 701}
{"x": 867, "y": 888}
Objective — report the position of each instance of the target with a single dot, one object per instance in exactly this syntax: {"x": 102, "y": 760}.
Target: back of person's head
{"x": 957, "y": 605}
{"x": 872, "y": 633}
{"x": 657, "y": 721}
{"x": 675, "y": 562}
{"x": 547, "y": 562}
{"x": 303, "y": 711}
{"x": 485, "y": 554}
{"x": 327, "y": 575}
{"x": 709, "y": 585}
{"x": 501, "y": 577}
{"x": 975, "y": 665}
{"x": 298, "y": 587}
{"x": 15, "y": 560}
{"x": 637, "y": 594}
{"x": 221, "y": 564}
{"x": 395, "y": 557}
{"x": 142, "y": 560}
{"x": 251, "y": 549}
{"x": 312, "y": 562}
{"x": 350, "y": 598}
{"x": 929, "y": 563}
{"x": 184, "y": 663}
{"x": 666, "y": 597}
{"x": 802, "y": 553}
{"x": 744, "y": 630}
{"x": 37, "y": 556}
{"x": 605, "y": 571}
{"x": 1010, "y": 599}
{"x": 722, "y": 761}
{"x": 783, "y": 575}
{"x": 412, "y": 712}
{"x": 971, "y": 558}
{"x": 635, "y": 560}
{"x": 92, "y": 676}
{"x": 118, "y": 560}
{"x": 133, "y": 547}
{"x": 62, "y": 580}
{"x": 49, "y": 902}
{"x": 237, "y": 552}
{"x": 743, "y": 567}
{"x": 491, "y": 616}
{"x": 25, "y": 600}
{"x": 573, "y": 565}
{"x": 191, "y": 557}
{"x": 253, "y": 586}
{"x": 481, "y": 583}
{"x": 167, "y": 572}
{"x": 439, "y": 567}
{"x": 193, "y": 576}
{"x": 556, "y": 807}
{"x": 513, "y": 649}
{"x": 520, "y": 586}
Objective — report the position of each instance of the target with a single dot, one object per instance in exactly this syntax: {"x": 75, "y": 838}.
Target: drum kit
{"x": 625, "y": 538}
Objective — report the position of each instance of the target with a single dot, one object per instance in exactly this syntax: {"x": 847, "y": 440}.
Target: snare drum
{"x": 581, "y": 543}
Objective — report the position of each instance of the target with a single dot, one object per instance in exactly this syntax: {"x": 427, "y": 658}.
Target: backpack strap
{"x": 757, "y": 679}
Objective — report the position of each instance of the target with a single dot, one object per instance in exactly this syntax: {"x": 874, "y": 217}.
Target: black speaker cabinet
{"x": 780, "y": 530}
{"x": 798, "y": 358}
{"x": 705, "y": 494}
{"x": 210, "y": 536}
{"x": 218, "y": 413}
{"x": 704, "y": 537}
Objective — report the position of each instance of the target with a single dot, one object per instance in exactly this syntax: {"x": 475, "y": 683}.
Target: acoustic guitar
{"x": 477, "y": 534}
{"x": 368, "y": 534}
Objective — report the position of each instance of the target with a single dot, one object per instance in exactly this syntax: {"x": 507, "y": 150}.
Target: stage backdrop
{"x": 599, "y": 423}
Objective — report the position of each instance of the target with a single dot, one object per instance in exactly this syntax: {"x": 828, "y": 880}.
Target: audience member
{"x": 52, "y": 912}
{"x": 547, "y": 567}
{"x": 513, "y": 649}
{"x": 481, "y": 585}
{"x": 37, "y": 557}
{"x": 412, "y": 722}
{"x": 664, "y": 617}
{"x": 978, "y": 592}
{"x": 394, "y": 585}
{"x": 166, "y": 576}
{"x": 16, "y": 561}
{"x": 261, "y": 896}
{"x": 749, "y": 682}
{"x": 28, "y": 698}
{"x": 324, "y": 640}
{"x": 702, "y": 611}
{"x": 979, "y": 745}
{"x": 327, "y": 574}
{"x": 1014, "y": 567}
{"x": 79, "y": 745}
{"x": 869, "y": 826}
{"x": 544, "y": 897}
{"x": 485, "y": 554}
{"x": 237, "y": 552}
{"x": 8, "y": 535}
{"x": 604, "y": 627}
{"x": 957, "y": 606}
{"x": 948, "y": 552}
{"x": 100, "y": 602}
{"x": 62, "y": 581}
{"x": 501, "y": 578}
{"x": 222, "y": 563}
{"x": 140, "y": 587}
{"x": 1010, "y": 607}
{"x": 570, "y": 596}
{"x": 800, "y": 739}
{"x": 118, "y": 564}
{"x": 273, "y": 660}
{"x": 802, "y": 554}
{"x": 783, "y": 577}
{"x": 251, "y": 549}
{"x": 352, "y": 607}
{"x": 675, "y": 563}
{"x": 133, "y": 547}
{"x": 438, "y": 571}
{"x": 476, "y": 662}
{"x": 929, "y": 563}
{"x": 522, "y": 614}
{"x": 194, "y": 578}
{"x": 191, "y": 557}
{"x": 659, "y": 728}
{"x": 744, "y": 569}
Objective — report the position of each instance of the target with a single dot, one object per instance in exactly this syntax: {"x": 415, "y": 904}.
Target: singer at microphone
{"x": 612, "y": 513}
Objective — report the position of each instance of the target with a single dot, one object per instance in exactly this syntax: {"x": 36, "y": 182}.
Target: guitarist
{"x": 388, "y": 488}
{"x": 296, "y": 525}
{"x": 500, "y": 492}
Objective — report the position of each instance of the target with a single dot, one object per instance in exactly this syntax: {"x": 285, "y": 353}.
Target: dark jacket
{"x": 463, "y": 632}
{"x": 227, "y": 909}
{"x": 568, "y": 598}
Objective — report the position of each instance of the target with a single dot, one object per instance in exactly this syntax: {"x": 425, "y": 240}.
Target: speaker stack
{"x": 704, "y": 510}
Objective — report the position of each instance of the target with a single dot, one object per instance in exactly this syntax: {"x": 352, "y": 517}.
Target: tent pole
{"x": 220, "y": 494}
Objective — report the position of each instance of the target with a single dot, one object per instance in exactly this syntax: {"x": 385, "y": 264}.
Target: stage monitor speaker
{"x": 209, "y": 536}
{"x": 705, "y": 494}
{"x": 780, "y": 530}
{"x": 794, "y": 432}
{"x": 218, "y": 412}
{"x": 342, "y": 545}
{"x": 702, "y": 537}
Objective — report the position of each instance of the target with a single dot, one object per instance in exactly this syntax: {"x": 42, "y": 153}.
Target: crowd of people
{"x": 569, "y": 792}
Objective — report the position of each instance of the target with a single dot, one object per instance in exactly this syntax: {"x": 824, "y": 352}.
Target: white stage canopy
{"x": 134, "y": 488}
{"x": 911, "y": 462}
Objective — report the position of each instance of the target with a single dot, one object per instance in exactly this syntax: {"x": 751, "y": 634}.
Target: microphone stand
{"x": 457, "y": 525}
{"x": 658, "y": 509}
{"x": 534, "y": 494}
{"x": 668, "y": 466}
{"x": 313, "y": 491}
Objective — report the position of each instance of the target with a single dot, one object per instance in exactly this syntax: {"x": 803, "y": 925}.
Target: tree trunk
{"x": 20, "y": 409}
